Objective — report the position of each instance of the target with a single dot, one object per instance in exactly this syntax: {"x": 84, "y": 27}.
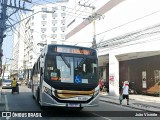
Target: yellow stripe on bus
{"x": 75, "y": 92}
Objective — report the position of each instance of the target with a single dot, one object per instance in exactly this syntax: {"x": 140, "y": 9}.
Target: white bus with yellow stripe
{"x": 66, "y": 76}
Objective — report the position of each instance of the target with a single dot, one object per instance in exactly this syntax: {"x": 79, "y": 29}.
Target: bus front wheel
{"x": 38, "y": 96}
{"x": 80, "y": 108}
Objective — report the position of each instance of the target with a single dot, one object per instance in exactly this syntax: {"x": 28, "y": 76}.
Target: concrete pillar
{"x": 113, "y": 75}
{"x": 104, "y": 73}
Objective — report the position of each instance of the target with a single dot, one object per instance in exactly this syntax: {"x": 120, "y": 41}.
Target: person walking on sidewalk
{"x": 120, "y": 94}
{"x": 125, "y": 92}
{"x": 101, "y": 85}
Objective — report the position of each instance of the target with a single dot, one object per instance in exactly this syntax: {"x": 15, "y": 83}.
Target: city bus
{"x": 66, "y": 76}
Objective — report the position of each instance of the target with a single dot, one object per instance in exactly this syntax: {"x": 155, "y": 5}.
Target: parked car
{"x": 6, "y": 83}
{"x": 19, "y": 82}
{"x": 29, "y": 84}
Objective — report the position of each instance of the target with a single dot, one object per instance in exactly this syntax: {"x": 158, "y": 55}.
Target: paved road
{"x": 24, "y": 102}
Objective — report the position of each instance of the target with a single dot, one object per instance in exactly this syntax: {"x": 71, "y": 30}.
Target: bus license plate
{"x": 73, "y": 105}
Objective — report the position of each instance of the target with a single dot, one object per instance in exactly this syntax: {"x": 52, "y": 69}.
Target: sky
{"x": 8, "y": 41}
{"x": 128, "y": 16}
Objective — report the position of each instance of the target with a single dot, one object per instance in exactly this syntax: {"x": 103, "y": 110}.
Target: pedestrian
{"x": 120, "y": 94}
{"x": 125, "y": 92}
{"x": 14, "y": 84}
{"x": 17, "y": 88}
{"x": 101, "y": 85}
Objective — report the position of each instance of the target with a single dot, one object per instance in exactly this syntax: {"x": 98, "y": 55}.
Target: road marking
{"x": 6, "y": 103}
{"x": 6, "y": 106}
{"x": 101, "y": 116}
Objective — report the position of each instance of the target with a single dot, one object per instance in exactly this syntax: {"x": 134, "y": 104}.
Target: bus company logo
{"x": 6, "y": 114}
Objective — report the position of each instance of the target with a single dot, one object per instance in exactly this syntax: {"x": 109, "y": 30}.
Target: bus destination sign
{"x": 73, "y": 50}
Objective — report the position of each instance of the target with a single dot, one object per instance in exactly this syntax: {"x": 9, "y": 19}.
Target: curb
{"x": 158, "y": 112}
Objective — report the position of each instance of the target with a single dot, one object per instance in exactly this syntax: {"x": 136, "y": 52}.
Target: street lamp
{"x": 5, "y": 66}
{"x": 31, "y": 16}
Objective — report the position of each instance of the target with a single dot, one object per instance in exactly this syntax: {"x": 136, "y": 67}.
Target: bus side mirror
{"x": 84, "y": 67}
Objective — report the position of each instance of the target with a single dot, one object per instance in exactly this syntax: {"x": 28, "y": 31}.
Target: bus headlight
{"x": 47, "y": 90}
{"x": 96, "y": 92}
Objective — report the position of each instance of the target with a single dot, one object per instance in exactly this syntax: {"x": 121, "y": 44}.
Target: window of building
{"x": 53, "y": 42}
{"x": 32, "y": 30}
{"x": 54, "y": 29}
{"x": 43, "y": 36}
{"x": 63, "y": 22}
{"x": 41, "y": 49}
{"x": 157, "y": 75}
{"x": 43, "y": 30}
{"x": 54, "y": 22}
{"x": 54, "y": 15}
{"x": 54, "y": 36}
{"x": 63, "y": 36}
{"x": 31, "y": 43}
{"x": 32, "y": 24}
{"x": 31, "y": 57}
{"x": 44, "y": 16}
{"x": 31, "y": 49}
{"x": 32, "y": 37}
{"x": 63, "y": 29}
{"x": 43, "y": 23}
{"x": 44, "y": 9}
{"x": 63, "y": 15}
{"x": 63, "y": 8}
{"x": 54, "y": 8}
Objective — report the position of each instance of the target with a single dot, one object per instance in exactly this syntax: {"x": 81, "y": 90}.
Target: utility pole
{"x": 4, "y": 4}
{"x": 92, "y": 18}
{"x": 5, "y": 66}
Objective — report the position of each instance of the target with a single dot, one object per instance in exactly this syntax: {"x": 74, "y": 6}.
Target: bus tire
{"x": 38, "y": 100}
{"x": 38, "y": 97}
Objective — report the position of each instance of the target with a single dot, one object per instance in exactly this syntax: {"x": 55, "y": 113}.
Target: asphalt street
{"x": 23, "y": 103}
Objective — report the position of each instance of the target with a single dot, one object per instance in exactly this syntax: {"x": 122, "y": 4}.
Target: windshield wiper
{"x": 65, "y": 61}
{"x": 82, "y": 61}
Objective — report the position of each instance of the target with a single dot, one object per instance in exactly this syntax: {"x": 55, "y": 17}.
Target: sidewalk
{"x": 141, "y": 102}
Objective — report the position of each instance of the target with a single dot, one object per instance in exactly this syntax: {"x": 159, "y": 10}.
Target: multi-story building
{"x": 18, "y": 50}
{"x": 127, "y": 45}
{"x": 45, "y": 25}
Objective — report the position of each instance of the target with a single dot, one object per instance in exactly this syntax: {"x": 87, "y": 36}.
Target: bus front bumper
{"x": 49, "y": 101}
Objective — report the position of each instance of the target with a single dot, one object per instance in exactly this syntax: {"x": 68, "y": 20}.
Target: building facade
{"x": 126, "y": 54}
{"x": 45, "y": 25}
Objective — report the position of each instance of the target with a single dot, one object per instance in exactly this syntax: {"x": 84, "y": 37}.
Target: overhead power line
{"x": 127, "y": 23}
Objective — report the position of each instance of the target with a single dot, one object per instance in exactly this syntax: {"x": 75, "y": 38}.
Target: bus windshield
{"x": 69, "y": 69}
